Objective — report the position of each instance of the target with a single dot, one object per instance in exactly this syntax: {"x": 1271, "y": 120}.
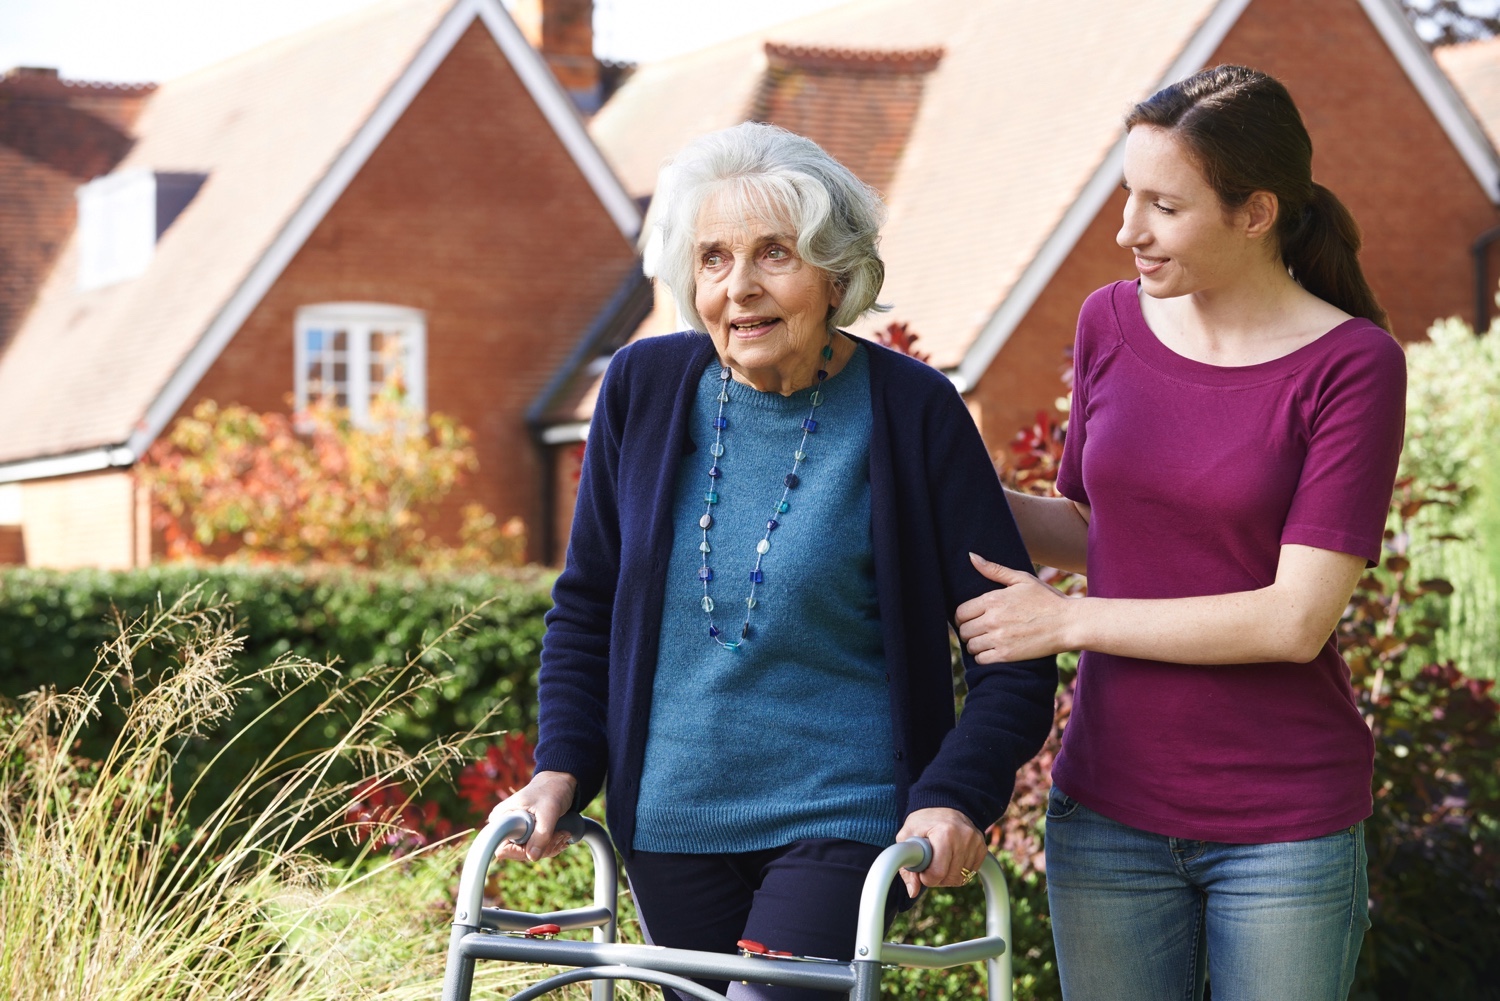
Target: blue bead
{"x": 720, "y": 423}
{"x": 791, "y": 480}
{"x": 757, "y": 577}
{"x": 732, "y": 645}
{"x": 713, "y": 631}
{"x": 783, "y": 507}
{"x": 745, "y": 631}
{"x": 828, "y": 351}
{"x": 706, "y": 573}
{"x": 712, "y": 497}
{"x": 772, "y": 525}
{"x": 822, "y": 374}
{"x": 715, "y": 472}
{"x": 810, "y": 425}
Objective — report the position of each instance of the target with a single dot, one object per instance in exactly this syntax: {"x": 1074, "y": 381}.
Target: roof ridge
{"x": 42, "y": 80}
{"x": 882, "y": 60}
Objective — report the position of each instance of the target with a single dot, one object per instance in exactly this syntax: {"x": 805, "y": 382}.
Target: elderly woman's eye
{"x": 713, "y": 260}
{"x": 778, "y": 253}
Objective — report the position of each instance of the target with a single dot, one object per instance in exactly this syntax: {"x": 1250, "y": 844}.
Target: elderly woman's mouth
{"x": 754, "y": 325}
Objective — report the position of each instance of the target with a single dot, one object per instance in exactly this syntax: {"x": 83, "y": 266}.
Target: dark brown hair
{"x": 1246, "y": 135}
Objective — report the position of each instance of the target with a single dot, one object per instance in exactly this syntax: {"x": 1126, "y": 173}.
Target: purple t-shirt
{"x": 1196, "y": 475}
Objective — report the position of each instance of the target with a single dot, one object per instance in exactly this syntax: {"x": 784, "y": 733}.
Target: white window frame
{"x": 359, "y": 320}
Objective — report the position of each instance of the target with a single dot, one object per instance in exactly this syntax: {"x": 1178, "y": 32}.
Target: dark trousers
{"x": 802, "y": 898}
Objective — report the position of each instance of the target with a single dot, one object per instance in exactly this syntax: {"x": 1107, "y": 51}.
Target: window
{"x": 349, "y": 352}
{"x": 120, "y": 218}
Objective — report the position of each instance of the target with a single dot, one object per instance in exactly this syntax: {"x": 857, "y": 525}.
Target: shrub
{"x": 361, "y": 622}
{"x": 1453, "y": 425}
{"x": 315, "y": 486}
{"x": 110, "y": 889}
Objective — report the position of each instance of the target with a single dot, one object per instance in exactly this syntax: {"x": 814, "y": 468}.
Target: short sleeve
{"x": 1356, "y": 424}
{"x": 1095, "y": 319}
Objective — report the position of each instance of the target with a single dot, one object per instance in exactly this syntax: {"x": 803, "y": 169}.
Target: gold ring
{"x": 966, "y": 873}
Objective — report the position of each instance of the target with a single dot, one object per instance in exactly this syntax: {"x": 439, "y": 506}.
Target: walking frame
{"x": 481, "y": 932}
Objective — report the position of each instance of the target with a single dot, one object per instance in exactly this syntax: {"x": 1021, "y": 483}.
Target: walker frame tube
{"x": 604, "y": 960}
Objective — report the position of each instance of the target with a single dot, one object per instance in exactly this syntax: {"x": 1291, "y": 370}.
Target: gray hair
{"x": 772, "y": 174}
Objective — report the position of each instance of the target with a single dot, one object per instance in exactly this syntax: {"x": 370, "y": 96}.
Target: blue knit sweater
{"x": 934, "y": 497}
{"x": 796, "y": 720}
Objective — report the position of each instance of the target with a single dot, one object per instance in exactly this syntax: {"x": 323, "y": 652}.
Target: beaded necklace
{"x": 711, "y": 497}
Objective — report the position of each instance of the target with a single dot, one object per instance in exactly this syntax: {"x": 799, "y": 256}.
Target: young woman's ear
{"x": 1259, "y": 213}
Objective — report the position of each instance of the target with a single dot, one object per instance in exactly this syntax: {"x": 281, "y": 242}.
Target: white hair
{"x": 769, "y": 173}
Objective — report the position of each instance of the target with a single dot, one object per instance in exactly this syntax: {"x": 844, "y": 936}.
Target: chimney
{"x": 563, "y": 32}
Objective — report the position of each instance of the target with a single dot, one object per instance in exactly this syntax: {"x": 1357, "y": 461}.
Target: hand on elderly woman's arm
{"x": 1289, "y": 620}
{"x": 957, "y": 846}
{"x": 546, "y": 797}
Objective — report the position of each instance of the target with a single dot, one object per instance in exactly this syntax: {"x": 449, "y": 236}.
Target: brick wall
{"x": 82, "y": 521}
{"x": 54, "y": 136}
{"x": 1376, "y": 145}
{"x": 473, "y": 211}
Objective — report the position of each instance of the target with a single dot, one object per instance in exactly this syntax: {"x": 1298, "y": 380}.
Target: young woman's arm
{"x": 1289, "y": 620}
{"x": 1055, "y": 530}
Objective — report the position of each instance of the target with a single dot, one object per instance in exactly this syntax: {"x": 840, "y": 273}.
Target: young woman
{"x": 1236, "y": 423}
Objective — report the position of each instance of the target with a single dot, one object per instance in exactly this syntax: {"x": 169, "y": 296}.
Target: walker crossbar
{"x": 604, "y": 960}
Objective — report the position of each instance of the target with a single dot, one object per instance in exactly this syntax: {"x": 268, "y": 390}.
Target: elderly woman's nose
{"x": 744, "y": 279}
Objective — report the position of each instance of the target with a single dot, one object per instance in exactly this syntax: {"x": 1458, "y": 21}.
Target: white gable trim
{"x": 66, "y": 465}
{"x": 1028, "y": 288}
{"x": 1443, "y": 101}
{"x": 1437, "y": 90}
{"x": 544, "y": 90}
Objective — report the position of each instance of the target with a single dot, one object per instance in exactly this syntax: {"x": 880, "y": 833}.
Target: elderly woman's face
{"x": 765, "y": 308}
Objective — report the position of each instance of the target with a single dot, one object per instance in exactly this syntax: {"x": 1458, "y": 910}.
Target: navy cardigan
{"x": 934, "y": 497}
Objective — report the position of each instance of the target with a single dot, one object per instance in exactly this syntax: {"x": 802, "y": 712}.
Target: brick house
{"x": 993, "y": 131}
{"x": 411, "y": 179}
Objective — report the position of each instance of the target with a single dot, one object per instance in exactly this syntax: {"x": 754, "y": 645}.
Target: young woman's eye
{"x": 1163, "y": 209}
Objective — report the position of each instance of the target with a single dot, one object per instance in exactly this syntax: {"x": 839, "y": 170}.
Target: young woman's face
{"x": 1183, "y": 239}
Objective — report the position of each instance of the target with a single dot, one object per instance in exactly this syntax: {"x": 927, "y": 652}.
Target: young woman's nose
{"x": 1131, "y": 233}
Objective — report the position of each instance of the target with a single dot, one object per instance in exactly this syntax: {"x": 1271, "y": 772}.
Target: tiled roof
{"x": 859, "y": 104}
{"x": 1474, "y": 68}
{"x": 54, "y": 135}
{"x": 265, "y": 127}
{"x": 1007, "y": 133}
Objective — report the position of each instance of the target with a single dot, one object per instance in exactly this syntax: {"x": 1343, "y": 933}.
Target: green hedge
{"x": 52, "y": 623}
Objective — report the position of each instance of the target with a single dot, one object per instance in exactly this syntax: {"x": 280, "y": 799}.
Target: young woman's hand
{"x": 546, "y": 797}
{"x": 1021, "y": 620}
{"x": 957, "y": 848}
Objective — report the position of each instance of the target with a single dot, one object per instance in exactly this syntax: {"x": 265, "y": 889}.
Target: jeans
{"x": 802, "y": 898}
{"x": 1145, "y": 917}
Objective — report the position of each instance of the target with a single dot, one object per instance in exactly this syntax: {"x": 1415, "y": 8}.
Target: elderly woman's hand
{"x": 1022, "y": 620}
{"x": 546, "y": 797}
{"x": 957, "y": 848}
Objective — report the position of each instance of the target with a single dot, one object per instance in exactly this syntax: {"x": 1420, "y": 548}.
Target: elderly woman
{"x": 750, "y": 641}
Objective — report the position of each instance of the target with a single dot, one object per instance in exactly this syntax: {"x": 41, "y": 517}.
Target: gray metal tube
{"x": 997, "y": 925}
{"x": 458, "y": 974}
{"x": 496, "y": 918}
{"x": 869, "y": 932}
{"x": 609, "y": 974}
{"x": 606, "y": 896}
{"x": 995, "y": 948}
{"x": 819, "y": 976}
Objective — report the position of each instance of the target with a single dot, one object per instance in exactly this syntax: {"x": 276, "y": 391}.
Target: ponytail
{"x": 1320, "y": 247}
{"x": 1247, "y": 136}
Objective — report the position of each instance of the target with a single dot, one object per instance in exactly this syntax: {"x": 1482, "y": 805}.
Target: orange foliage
{"x": 314, "y": 487}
